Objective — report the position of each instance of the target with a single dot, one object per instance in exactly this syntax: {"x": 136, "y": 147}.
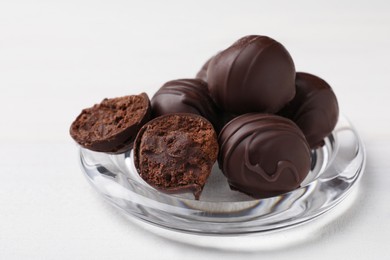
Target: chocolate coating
{"x": 202, "y": 74}
{"x": 263, "y": 155}
{"x": 186, "y": 96}
{"x": 314, "y": 108}
{"x": 255, "y": 74}
{"x": 175, "y": 153}
{"x": 112, "y": 125}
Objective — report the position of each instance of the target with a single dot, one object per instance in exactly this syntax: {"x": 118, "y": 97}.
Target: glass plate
{"x": 336, "y": 168}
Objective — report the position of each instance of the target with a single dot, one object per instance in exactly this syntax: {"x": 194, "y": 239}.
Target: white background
{"x": 57, "y": 57}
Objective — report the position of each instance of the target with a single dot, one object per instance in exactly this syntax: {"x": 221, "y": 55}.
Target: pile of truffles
{"x": 247, "y": 108}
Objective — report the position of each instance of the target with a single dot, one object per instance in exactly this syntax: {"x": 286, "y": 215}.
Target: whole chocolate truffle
{"x": 314, "y": 108}
{"x": 263, "y": 155}
{"x": 186, "y": 96}
{"x": 255, "y": 74}
{"x": 175, "y": 153}
{"x": 112, "y": 125}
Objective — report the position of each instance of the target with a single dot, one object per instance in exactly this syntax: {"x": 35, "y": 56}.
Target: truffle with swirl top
{"x": 263, "y": 155}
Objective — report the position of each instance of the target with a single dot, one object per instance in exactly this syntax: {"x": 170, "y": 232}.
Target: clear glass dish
{"x": 336, "y": 168}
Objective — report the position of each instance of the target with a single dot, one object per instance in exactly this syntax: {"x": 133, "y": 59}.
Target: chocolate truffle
{"x": 314, "y": 108}
{"x": 255, "y": 74}
{"x": 263, "y": 155}
{"x": 175, "y": 153}
{"x": 112, "y": 125}
{"x": 186, "y": 96}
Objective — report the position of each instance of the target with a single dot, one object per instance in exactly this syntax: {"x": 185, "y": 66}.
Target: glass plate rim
{"x": 210, "y": 230}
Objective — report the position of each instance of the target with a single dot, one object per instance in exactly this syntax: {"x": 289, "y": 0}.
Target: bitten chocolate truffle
{"x": 175, "y": 153}
{"x": 263, "y": 155}
{"x": 255, "y": 74}
{"x": 112, "y": 125}
{"x": 186, "y": 96}
{"x": 314, "y": 108}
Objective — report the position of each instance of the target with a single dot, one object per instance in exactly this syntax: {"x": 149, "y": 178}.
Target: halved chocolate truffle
{"x": 255, "y": 74}
{"x": 175, "y": 153}
{"x": 186, "y": 96}
{"x": 263, "y": 155}
{"x": 314, "y": 108}
{"x": 112, "y": 125}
